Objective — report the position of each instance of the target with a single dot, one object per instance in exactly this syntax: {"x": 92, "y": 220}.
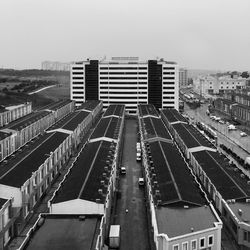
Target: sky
{"x": 197, "y": 34}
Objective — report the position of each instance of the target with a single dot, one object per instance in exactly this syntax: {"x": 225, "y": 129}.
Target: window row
{"x": 123, "y": 68}
{"x": 121, "y": 88}
{"x": 123, "y": 73}
{"x": 121, "y": 78}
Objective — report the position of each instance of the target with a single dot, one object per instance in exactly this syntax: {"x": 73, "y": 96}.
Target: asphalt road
{"x": 134, "y": 227}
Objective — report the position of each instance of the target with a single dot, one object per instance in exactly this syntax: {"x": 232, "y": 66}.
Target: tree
{"x": 245, "y": 74}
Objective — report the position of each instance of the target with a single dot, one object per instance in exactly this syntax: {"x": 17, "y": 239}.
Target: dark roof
{"x": 66, "y": 232}
{"x": 191, "y": 136}
{"x": 154, "y": 127}
{"x": 172, "y": 115}
{"x": 3, "y": 135}
{"x": 114, "y": 109}
{"x": 89, "y": 105}
{"x": 147, "y": 109}
{"x": 213, "y": 164}
{"x": 84, "y": 179}
{"x": 27, "y": 120}
{"x": 2, "y": 202}
{"x": 22, "y": 171}
{"x": 57, "y": 105}
{"x": 107, "y": 127}
{"x": 174, "y": 180}
{"x": 76, "y": 120}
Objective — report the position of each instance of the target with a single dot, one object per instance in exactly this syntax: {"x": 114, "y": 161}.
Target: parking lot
{"x": 131, "y": 211}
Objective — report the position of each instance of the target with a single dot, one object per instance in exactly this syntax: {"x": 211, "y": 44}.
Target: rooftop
{"x": 154, "y": 128}
{"x": 84, "y": 178}
{"x": 181, "y": 221}
{"x": 171, "y": 177}
{"x": 4, "y": 135}
{"x": 107, "y": 127}
{"x": 241, "y": 210}
{"x": 57, "y": 105}
{"x": 114, "y": 109}
{"x": 172, "y": 115}
{"x": 89, "y": 105}
{"x": 23, "y": 169}
{"x": 26, "y": 120}
{"x": 213, "y": 165}
{"x": 55, "y": 234}
{"x": 147, "y": 109}
{"x": 191, "y": 136}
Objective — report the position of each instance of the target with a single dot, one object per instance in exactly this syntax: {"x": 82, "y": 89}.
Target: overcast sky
{"x": 203, "y": 34}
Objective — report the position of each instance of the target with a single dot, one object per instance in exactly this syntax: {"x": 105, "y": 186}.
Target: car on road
{"x": 243, "y": 134}
{"x": 141, "y": 181}
{"x": 123, "y": 170}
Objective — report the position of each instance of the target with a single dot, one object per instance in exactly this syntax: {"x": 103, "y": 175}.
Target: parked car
{"x": 231, "y": 127}
{"x": 221, "y": 121}
{"x": 243, "y": 134}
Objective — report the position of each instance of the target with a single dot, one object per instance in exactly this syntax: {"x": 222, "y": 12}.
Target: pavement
{"x": 134, "y": 226}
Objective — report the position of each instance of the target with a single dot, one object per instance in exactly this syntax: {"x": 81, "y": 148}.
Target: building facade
{"x": 183, "y": 77}
{"x": 126, "y": 81}
{"x": 218, "y": 85}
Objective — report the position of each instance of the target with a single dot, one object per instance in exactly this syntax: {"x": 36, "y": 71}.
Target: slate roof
{"x": 154, "y": 127}
{"x": 191, "y": 136}
{"x": 27, "y": 120}
{"x": 84, "y": 179}
{"x": 212, "y": 165}
{"x": 147, "y": 109}
{"x": 57, "y": 105}
{"x": 172, "y": 115}
{"x": 114, "y": 109}
{"x": 174, "y": 180}
{"x": 4, "y": 135}
{"x": 107, "y": 127}
{"x": 23, "y": 170}
{"x": 76, "y": 120}
{"x": 89, "y": 105}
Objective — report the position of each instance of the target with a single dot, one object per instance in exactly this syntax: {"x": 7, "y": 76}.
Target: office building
{"x": 183, "y": 77}
{"x": 126, "y": 80}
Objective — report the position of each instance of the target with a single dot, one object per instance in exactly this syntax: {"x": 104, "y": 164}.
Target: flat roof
{"x": 191, "y": 136}
{"x": 89, "y": 105}
{"x": 214, "y": 167}
{"x": 84, "y": 179}
{"x": 174, "y": 180}
{"x": 172, "y": 115}
{"x": 2, "y": 202}
{"x": 4, "y": 135}
{"x": 114, "y": 109}
{"x": 241, "y": 210}
{"x": 147, "y": 109}
{"x": 66, "y": 232}
{"x": 180, "y": 221}
{"x": 26, "y": 120}
{"x": 155, "y": 127}
{"x": 107, "y": 127}
{"x": 23, "y": 170}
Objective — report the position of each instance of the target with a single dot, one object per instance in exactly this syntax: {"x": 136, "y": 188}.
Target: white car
{"x": 243, "y": 134}
{"x": 231, "y": 127}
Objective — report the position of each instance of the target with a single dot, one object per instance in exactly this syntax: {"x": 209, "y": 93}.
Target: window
{"x": 210, "y": 240}
{"x": 202, "y": 242}
{"x": 175, "y": 247}
{"x": 194, "y": 245}
{"x": 185, "y": 246}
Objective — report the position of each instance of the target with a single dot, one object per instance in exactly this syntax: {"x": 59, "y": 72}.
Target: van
{"x": 141, "y": 181}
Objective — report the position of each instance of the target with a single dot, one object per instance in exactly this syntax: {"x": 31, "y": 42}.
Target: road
{"x": 134, "y": 227}
{"x": 39, "y": 90}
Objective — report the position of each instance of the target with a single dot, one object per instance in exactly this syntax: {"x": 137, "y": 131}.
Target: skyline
{"x": 195, "y": 34}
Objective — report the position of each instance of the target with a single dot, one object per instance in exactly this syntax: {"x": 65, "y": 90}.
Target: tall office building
{"x": 183, "y": 77}
{"x": 126, "y": 80}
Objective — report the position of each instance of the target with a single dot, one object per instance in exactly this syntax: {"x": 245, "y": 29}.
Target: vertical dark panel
{"x": 155, "y": 83}
{"x": 91, "y": 80}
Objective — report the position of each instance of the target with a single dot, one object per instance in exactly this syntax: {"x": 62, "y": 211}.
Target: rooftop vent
{"x": 240, "y": 211}
{"x": 191, "y": 229}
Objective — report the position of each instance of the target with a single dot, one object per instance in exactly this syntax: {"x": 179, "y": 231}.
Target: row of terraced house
{"x": 84, "y": 198}
{"x": 26, "y": 177}
{"x": 225, "y": 186}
